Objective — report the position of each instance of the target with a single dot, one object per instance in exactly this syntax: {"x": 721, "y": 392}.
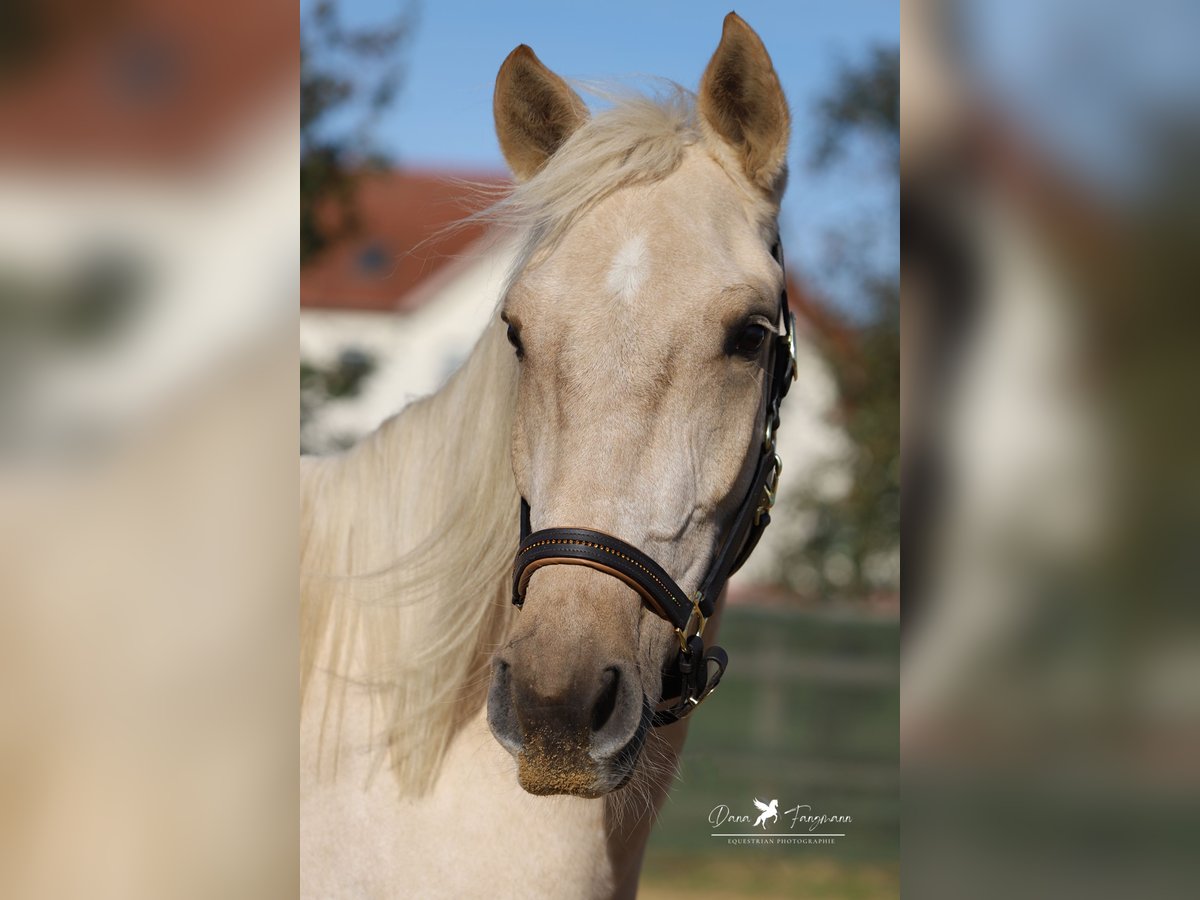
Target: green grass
{"x": 761, "y": 877}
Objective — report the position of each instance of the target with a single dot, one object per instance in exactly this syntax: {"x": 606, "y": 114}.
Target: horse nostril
{"x": 606, "y": 701}
{"x": 501, "y": 716}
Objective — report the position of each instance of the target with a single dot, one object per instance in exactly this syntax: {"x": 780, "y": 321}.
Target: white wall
{"x": 414, "y": 352}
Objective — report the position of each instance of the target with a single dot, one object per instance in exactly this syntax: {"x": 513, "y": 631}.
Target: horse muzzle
{"x": 579, "y": 734}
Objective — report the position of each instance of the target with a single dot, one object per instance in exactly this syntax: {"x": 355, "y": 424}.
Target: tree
{"x": 863, "y": 106}
{"x": 322, "y": 384}
{"x": 348, "y": 78}
{"x": 854, "y": 549}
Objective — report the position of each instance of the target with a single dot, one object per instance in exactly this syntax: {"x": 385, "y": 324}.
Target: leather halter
{"x": 691, "y": 676}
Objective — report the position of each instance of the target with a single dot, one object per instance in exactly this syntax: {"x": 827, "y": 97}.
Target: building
{"x": 148, "y": 174}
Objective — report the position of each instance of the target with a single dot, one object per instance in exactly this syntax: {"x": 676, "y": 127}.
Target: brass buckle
{"x": 686, "y": 632}
{"x": 770, "y": 491}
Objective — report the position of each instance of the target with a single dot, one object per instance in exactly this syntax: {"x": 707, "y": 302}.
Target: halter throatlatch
{"x": 694, "y": 673}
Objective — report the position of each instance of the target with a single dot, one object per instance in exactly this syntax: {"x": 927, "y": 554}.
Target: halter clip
{"x": 697, "y": 616}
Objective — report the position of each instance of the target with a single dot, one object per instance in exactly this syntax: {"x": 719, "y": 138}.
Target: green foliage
{"x": 853, "y": 551}
{"x": 864, "y": 105}
{"x": 319, "y": 385}
{"x": 348, "y": 77}
{"x": 95, "y": 299}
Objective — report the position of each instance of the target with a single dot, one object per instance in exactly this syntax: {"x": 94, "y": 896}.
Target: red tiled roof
{"x": 137, "y": 84}
{"x": 400, "y": 240}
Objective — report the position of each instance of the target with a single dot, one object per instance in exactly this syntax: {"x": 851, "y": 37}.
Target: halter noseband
{"x": 691, "y": 678}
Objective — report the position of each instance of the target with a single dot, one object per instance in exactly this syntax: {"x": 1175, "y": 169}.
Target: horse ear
{"x": 742, "y": 104}
{"x": 535, "y": 112}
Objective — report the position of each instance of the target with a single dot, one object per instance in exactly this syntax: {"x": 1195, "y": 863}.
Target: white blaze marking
{"x": 628, "y": 269}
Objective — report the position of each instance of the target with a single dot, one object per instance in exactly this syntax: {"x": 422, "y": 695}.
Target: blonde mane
{"x": 407, "y": 538}
{"x": 637, "y": 139}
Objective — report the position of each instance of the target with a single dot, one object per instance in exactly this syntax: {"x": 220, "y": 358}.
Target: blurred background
{"x": 1051, "y": 673}
{"x": 148, "y": 278}
{"x": 396, "y": 130}
{"x": 148, "y": 273}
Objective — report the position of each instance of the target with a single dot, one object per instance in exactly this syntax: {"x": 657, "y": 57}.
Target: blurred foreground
{"x": 1051, "y": 676}
{"x": 148, "y": 271}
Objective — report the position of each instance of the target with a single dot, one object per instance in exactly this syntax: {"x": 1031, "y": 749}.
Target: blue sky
{"x": 1091, "y": 81}
{"x": 443, "y": 117}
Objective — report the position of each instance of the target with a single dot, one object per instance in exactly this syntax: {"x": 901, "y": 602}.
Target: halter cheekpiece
{"x": 694, "y": 672}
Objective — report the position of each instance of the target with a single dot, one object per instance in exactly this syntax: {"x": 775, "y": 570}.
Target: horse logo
{"x": 768, "y": 812}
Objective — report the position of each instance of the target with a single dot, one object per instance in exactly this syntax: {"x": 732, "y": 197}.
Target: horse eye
{"x": 515, "y": 339}
{"x": 749, "y": 340}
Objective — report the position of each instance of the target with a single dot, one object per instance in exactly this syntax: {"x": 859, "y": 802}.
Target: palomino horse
{"x": 620, "y": 386}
